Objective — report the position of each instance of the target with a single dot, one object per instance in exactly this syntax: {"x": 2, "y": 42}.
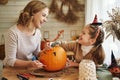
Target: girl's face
{"x": 40, "y": 17}
{"x": 85, "y": 38}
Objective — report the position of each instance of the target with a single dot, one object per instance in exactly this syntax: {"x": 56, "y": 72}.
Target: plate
{"x": 43, "y": 73}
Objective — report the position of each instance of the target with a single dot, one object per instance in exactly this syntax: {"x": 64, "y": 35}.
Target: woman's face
{"x": 84, "y": 38}
{"x": 40, "y": 17}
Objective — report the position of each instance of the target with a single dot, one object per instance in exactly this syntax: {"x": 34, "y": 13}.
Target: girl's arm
{"x": 71, "y": 63}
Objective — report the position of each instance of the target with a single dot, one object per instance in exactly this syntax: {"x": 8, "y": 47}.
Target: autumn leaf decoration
{"x": 3, "y": 2}
{"x": 66, "y": 10}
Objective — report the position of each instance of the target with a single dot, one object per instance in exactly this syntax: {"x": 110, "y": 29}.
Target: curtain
{"x": 100, "y": 7}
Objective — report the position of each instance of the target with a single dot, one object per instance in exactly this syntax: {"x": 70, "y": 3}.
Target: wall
{"x": 10, "y": 12}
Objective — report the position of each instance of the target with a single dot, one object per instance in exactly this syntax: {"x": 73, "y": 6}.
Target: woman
{"x": 22, "y": 41}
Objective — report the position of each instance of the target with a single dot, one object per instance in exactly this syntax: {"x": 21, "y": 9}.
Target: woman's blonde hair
{"x": 31, "y": 8}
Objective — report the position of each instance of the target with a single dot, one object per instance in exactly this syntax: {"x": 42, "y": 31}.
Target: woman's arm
{"x": 10, "y": 48}
{"x": 26, "y": 64}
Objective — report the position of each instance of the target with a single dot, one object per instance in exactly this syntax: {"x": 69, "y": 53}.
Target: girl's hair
{"x": 96, "y": 33}
{"x": 31, "y": 8}
{"x": 97, "y": 52}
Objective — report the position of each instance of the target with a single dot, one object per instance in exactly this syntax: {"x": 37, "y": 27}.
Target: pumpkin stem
{"x": 54, "y": 53}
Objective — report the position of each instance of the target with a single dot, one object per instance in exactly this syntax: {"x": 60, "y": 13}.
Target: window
{"x": 100, "y": 7}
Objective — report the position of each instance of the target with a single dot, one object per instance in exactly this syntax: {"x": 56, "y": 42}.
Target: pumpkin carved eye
{"x": 54, "y": 53}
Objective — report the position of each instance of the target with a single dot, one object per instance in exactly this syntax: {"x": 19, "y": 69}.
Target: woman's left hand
{"x": 36, "y": 64}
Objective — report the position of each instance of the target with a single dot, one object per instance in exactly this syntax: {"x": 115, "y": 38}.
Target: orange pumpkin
{"x": 53, "y": 59}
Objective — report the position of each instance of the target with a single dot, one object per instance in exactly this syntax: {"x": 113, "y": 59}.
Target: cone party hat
{"x": 113, "y": 60}
{"x": 95, "y": 21}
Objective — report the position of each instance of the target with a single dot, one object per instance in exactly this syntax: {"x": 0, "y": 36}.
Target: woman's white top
{"x": 18, "y": 45}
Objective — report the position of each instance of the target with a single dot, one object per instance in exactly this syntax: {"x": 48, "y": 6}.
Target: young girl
{"x": 22, "y": 41}
{"x": 88, "y": 46}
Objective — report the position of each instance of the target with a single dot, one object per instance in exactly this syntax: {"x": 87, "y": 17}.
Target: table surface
{"x": 69, "y": 74}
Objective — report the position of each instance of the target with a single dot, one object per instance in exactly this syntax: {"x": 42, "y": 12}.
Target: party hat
{"x": 113, "y": 60}
{"x": 95, "y": 21}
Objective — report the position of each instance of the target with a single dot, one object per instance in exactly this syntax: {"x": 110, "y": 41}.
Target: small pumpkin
{"x": 115, "y": 71}
{"x": 54, "y": 59}
{"x": 114, "y": 68}
{"x": 43, "y": 44}
{"x": 46, "y": 41}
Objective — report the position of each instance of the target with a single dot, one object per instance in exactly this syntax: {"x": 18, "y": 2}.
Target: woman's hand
{"x": 36, "y": 64}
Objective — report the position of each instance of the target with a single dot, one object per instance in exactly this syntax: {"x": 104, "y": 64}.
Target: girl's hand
{"x": 70, "y": 63}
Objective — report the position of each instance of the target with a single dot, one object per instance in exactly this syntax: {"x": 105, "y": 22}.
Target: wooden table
{"x": 11, "y": 74}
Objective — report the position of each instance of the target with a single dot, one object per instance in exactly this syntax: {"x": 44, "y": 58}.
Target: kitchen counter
{"x": 65, "y": 74}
